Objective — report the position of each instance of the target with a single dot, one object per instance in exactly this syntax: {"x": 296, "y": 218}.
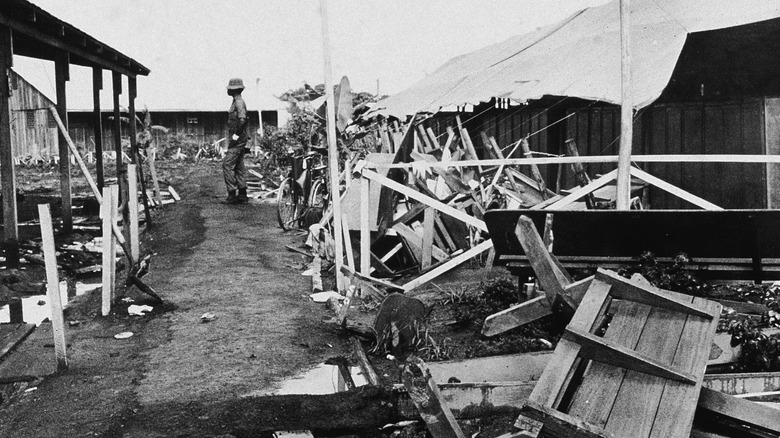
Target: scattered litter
{"x": 41, "y": 302}
{"x": 547, "y": 344}
{"x": 322, "y": 297}
{"x": 307, "y": 273}
{"x": 127, "y": 300}
{"x": 208, "y": 317}
{"x": 31, "y": 389}
{"x": 74, "y": 323}
{"x": 123, "y": 335}
{"x": 137, "y": 310}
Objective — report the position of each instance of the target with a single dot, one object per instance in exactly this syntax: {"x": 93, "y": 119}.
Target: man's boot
{"x": 231, "y": 198}
{"x": 242, "y": 197}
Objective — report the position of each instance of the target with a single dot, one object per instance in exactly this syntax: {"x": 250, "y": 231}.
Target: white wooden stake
{"x": 347, "y": 242}
{"x": 109, "y": 247}
{"x": 365, "y": 230}
{"x": 132, "y": 200}
{"x": 333, "y": 162}
{"x": 626, "y": 110}
{"x": 53, "y": 287}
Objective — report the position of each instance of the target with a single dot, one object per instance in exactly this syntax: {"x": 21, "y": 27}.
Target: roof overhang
{"x": 38, "y": 34}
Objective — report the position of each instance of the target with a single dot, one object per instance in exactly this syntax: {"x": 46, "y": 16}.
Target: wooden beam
{"x": 600, "y": 350}
{"x": 54, "y": 295}
{"x": 365, "y": 230}
{"x": 332, "y": 148}
{"x": 365, "y": 365}
{"x": 444, "y": 208}
{"x": 7, "y": 167}
{"x": 347, "y": 242}
{"x": 427, "y": 239}
{"x": 109, "y": 248}
{"x": 626, "y": 110}
{"x": 62, "y": 76}
{"x": 676, "y": 191}
{"x": 97, "y": 124}
{"x": 582, "y": 191}
{"x": 132, "y": 202}
{"x": 550, "y": 276}
{"x": 517, "y": 315}
{"x": 579, "y": 172}
{"x": 417, "y": 243}
{"x": 624, "y": 289}
{"x": 426, "y": 397}
{"x": 739, "y": 415}
{"x": 448, "y": 265}
{"x": 536, "y": 417}
{"x": 57, "y": 43}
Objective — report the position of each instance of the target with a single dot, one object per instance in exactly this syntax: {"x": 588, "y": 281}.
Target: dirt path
{"x": 178, "y": 376}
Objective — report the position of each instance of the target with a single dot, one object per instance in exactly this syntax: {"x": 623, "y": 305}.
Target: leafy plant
{"x": 760, "y": 352}
{"x": 670, "y": 276}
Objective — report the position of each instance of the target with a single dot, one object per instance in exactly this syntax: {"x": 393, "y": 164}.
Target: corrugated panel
{"x": 579, "y": 57}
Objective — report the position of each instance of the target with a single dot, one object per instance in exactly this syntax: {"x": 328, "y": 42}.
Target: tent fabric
{"x": 579, "y": 56}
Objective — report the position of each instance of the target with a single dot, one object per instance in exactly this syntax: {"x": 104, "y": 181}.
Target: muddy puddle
{"x": 322, "y": 379}
{"x": 36, "y": 307}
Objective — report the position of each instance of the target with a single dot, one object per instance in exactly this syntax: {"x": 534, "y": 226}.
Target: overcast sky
{"x": 194, "y": 46}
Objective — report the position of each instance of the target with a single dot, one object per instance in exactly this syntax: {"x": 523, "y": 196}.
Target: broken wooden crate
{"x": 640, "y": 379}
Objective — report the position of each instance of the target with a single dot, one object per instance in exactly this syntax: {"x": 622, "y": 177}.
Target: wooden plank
{"x": 464, "y": 134}
{"x": 632, "y": 415}
{"x": 132, "y": 203}
{"x": 594, "y": 398}
{"x": 109, "y": 248}
{"x": 677, "y": 404}
{"x": 743, "y": 383}
{"x": 595, "y": 348}
{"x": 365, "y": 231}
{"x": 448, "y": 265}
{"x": 377, "y": 281}
{"x": 341, "y": 315}
{"x": 582, "y": 191}
{"x": 174, "y": 194}
{"x": 552, "y": 279}
{"x": 347, "y": 242}
{"x": 316, "y": 274}
{"x": 624, "y": 289}
{"x": 368, "y": 370}
{"x": 558, "y": 424}
{"x": 62, "y": 75}
{"x": 427, "y": 239}
{"x": 97, "y": 124}
{"x": 750, "y": 418}
{"x": 416, "y": 242}
{"x": 517, "y": 315}
{"x": 680, "y": 193}
{"x": 444, "y": 208}
{"x": 7, "y": 167}
{"x": 11, "y": 335}
{"x": 428, "y": 400}
{"x": 548, "y": 391}
{"x": 53, "y": 294}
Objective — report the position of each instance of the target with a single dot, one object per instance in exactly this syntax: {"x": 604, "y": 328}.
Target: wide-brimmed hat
{"x": 235, "y": 84}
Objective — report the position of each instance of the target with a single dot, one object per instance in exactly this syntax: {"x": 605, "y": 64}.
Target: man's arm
{"x": 242, "y": 119}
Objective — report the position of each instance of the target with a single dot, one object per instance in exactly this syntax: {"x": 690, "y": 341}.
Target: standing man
{"x": 233, "y": 163}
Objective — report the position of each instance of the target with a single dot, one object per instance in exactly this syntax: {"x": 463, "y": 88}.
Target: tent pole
{"x": 333, "y": 162}
{"x": 626, "y": 110}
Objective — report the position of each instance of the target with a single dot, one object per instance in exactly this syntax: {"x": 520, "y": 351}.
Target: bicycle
{"x": 303, "y": 192}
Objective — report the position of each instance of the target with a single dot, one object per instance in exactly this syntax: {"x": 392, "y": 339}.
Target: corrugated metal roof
{"x": 579, "y": 56}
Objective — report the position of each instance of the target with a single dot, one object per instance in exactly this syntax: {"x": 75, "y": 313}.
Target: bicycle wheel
{"x": 318, "y": 196}
{"x": 288, "y": 204}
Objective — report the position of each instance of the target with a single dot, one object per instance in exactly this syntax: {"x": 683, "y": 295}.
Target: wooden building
{"x": 33, "y": 131}
{"x": 204, "y": 127}
{"x": 27, "y": 30}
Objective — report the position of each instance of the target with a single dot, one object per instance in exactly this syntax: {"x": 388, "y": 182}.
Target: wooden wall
{"x": 32, "y": 132}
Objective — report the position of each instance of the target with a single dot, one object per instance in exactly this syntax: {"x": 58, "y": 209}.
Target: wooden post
{"x": 332, "y": 151}
{"x": 97, "y": 85}
{"x": 121, "y": 170}
{"x": 427, "y": 241}
{"x": 7, "y": 168}
{"x": 16, "y": 310}
{"x": 62, "y": 76}
{"x": 425, "y": 394}
{"x": 365, "y": 230}
{"x": 132, "y": 91}
{"x": 534, "y": 169}
{"x": 53, "y": 287}
{"x": 347, "y": 242}
{"x": 626, "y": 110}
{"x": 132, "y": 202}
{"x": 153, "y": 172}
{"x": 579, "y": 173}
{"x": 109, "y": 247}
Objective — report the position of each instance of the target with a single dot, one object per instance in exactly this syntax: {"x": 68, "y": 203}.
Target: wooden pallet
{"x": 640, "y": 379}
